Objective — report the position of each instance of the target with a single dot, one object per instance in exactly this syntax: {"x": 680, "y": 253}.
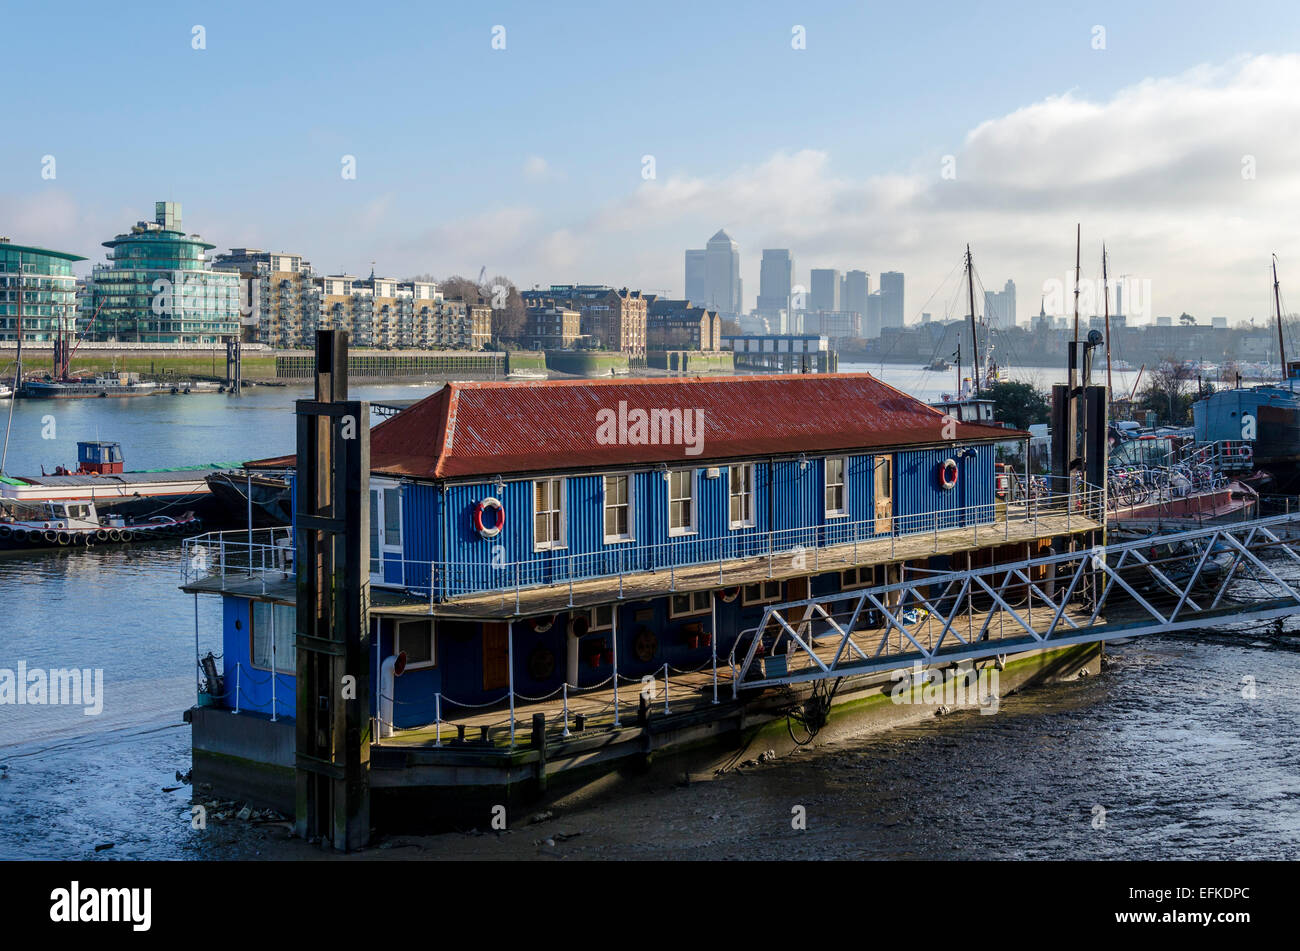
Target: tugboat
{"x": 100, "y": 479}
{"x": 77, "y": 524}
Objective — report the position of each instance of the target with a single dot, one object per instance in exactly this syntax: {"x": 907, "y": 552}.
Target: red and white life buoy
{"x": 728, "y": 595}
{"x": 948, "y": 475}
{"x": 483, "y": 506}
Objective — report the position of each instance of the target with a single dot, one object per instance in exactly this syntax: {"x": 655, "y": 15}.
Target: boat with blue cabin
{"x": 575, "y": 553}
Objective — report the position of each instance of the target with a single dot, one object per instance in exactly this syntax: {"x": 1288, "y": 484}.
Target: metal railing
{"x": 265, "y": 555}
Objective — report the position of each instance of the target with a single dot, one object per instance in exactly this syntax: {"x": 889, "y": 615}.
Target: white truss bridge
{"x": 1202, "y": 578}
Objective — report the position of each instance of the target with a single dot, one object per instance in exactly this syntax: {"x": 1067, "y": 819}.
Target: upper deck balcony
{"x": 259, "y": 564}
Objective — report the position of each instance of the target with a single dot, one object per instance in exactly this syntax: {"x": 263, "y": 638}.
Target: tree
{"x": 508, "y": 313}
{"x": 1018, "y": 404}
{"x": 1186, "y": 319}
{"x": 1169, "y": 394}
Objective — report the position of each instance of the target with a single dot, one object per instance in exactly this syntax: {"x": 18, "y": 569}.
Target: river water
{"x": 1163, "y": 740}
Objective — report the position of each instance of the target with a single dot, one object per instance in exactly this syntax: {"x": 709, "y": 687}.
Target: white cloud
{"x": 536, "y": 169}
{"x": 1155, "y": 171}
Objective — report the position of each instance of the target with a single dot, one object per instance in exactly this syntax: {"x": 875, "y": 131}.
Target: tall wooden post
{"x": 332, "y": 528}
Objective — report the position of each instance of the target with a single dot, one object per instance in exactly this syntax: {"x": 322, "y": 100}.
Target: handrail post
{"x": 437, "y": 719}
{"x": 566, "y": 709}
{"x": 239, "y": 668}
{"x": 666, "y": 708}
{"x": 613, "y": 639}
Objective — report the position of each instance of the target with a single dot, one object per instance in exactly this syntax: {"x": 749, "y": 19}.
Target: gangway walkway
{"x": 1156, "y": 585}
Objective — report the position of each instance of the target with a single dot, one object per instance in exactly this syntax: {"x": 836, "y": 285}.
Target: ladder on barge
{"x": 1230, "y": 574}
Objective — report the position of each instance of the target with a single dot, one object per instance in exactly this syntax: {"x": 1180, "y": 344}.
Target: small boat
{"x": 78, "y": 524}
{"x": 115, "y": 385}
{"x": 938, "y": 364}
{"x": 271, "y": 496}
{"x": 99, "y": 479}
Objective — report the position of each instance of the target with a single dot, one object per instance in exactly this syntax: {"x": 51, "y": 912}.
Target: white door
{"x": 385, "y": 528}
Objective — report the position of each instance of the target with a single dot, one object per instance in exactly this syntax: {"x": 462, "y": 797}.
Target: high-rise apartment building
{"x": 854, "y": 288}
{"x": 713, "y": 275}
{"x": 1000, "y": 307}
{"x": 775, "y": 281}
{"x": 43, "y": 281}
{"x": 891, "y": 299}
{"x": 823, "y": 290}
{"x": 160, "y": 288}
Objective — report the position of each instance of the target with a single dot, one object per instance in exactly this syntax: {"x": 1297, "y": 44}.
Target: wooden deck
{"x": 692, "y": 692}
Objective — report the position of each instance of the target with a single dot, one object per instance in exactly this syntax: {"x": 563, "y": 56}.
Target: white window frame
{"x": 704, "y": 605}
{"x": 842, "y": 512}
{"x": 630, "y": 505}
{"x": 747, "y": 497}
{"x": 857, "y": 570}
{"x": 763, "y": 596}
{"x": 593, "y": 620}
{"x": 560, "y": 541}
{"x": 382, "y": 487}
{"x": 433, "y": 643}
{"x": 286, "y": 661}
{"x": 694, "y": 499}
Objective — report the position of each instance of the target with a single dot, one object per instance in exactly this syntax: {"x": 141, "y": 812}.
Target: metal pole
{"x": 198, "y": 679}
{"x": 510, "y": 661}
{"x": 565, "y": 686}
{"x": 437, "y": 719}
{"x": 713, "y": 637}
{"x": 272, "y": 609}
{"x": 613, "y": 636}
{"x": 239, "y": 668}
{"x": 666, "y": 708}
{"x": 250, "y": 524}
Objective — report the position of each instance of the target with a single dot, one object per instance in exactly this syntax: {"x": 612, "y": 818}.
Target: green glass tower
{"x": 48, "y": 288}
{"x": 159, "y": 287}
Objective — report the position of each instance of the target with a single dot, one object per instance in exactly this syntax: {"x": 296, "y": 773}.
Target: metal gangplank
{"x": 1170, "y": 582}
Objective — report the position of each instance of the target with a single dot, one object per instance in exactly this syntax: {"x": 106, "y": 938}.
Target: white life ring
{"x": 947, "y": 473}
{"x": 1246, "y": 452}
{"x": 483, "y": 506}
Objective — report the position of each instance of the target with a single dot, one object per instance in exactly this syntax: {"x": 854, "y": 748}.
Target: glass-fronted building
{"x": 159, "y": 287}
{"x": 48, "y": 287}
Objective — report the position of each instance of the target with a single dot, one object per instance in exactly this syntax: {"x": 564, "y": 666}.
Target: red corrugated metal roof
{"x": 472, "y": 429}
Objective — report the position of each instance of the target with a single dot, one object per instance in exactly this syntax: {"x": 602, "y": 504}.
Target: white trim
{"x": 693, "y": 611}
{"x": 743, "y": 522}
{"x": 843, "y": 484}
{"x": 695, "y": 503}
{"x": 380, "y": 487}
{"x": 631, "y": 508}
{"x": 745, "y": 600}
{"x": 433, "y": 643}
{"x": 859, "y": 584}
{"x": 562, "y": 541}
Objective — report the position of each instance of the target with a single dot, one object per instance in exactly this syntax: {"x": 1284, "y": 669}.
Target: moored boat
{"x": 79, "y": 524}
{"x": 120, "y": 384}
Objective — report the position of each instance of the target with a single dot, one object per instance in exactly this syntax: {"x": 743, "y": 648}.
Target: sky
{"x": 604, "y": 139}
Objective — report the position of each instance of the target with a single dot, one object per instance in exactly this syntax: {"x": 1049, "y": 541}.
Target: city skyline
{"x": 1185, "y": 198}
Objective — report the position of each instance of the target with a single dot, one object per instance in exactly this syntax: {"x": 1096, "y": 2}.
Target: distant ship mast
{"x": 1277, "y": 304}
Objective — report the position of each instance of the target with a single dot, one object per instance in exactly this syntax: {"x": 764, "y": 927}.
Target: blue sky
{"x": 528, "y": 160}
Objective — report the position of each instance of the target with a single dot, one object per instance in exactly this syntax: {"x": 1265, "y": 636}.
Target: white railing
{"x": 266, "y": 555}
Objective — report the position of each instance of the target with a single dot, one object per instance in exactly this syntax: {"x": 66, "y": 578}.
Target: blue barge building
{"x": 570, "y": 579}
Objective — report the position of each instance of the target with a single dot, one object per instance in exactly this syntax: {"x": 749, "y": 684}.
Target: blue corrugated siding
{"x": 419, "y": 532}
{"x": 789, "y": 499}
{"x": 920, "y": 503}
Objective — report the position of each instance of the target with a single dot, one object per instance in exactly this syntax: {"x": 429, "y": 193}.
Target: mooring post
{"x": 332, "y": 764}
